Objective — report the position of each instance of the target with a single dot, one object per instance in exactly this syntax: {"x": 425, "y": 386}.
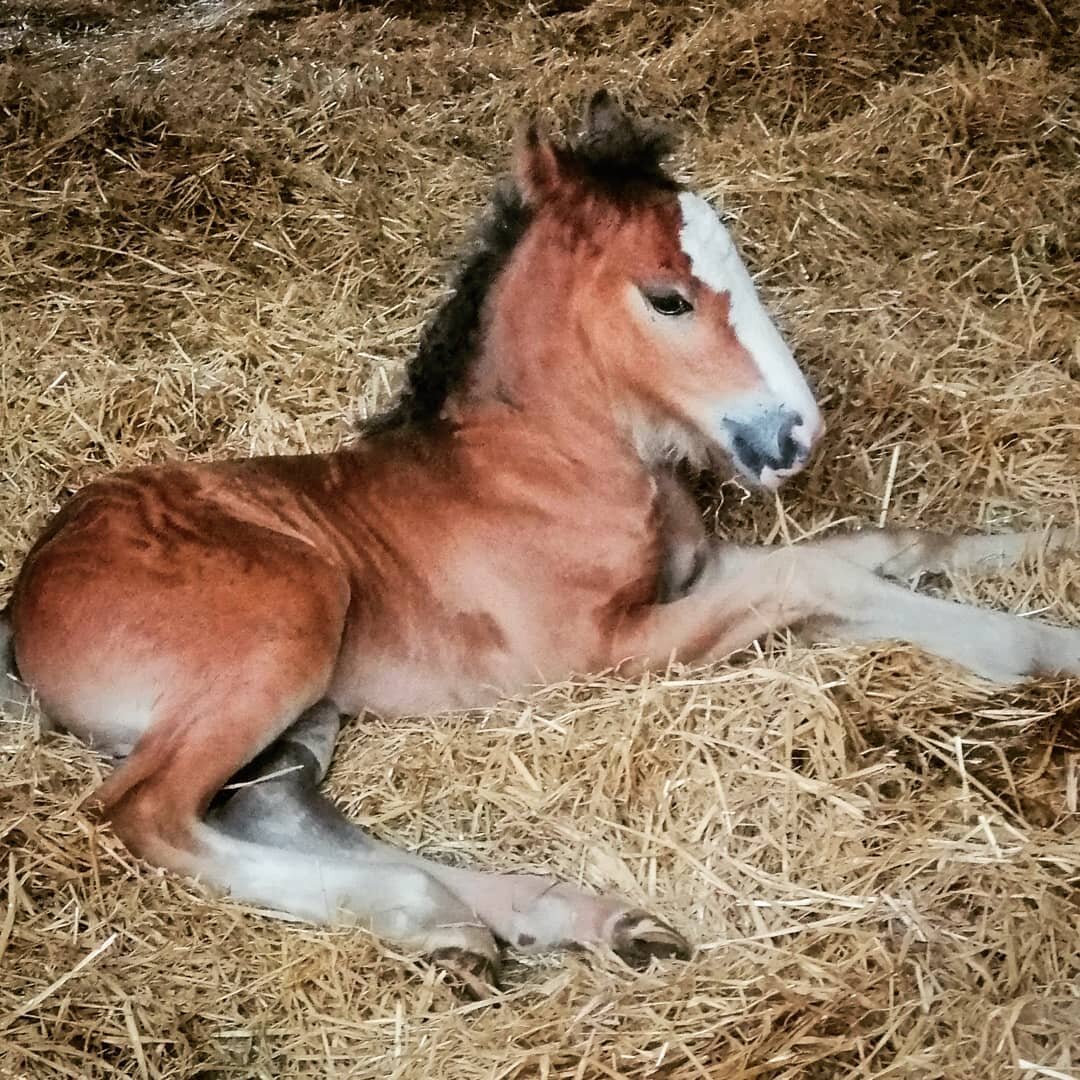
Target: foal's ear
{"x": 537, "y": 169}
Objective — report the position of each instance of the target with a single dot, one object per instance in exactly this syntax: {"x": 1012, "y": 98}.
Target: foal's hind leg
{"x": 203, "y": 669}
{"x": 286, "y": 856}
{"x": 528, "y": 911}
{"x": 278, "y": 803}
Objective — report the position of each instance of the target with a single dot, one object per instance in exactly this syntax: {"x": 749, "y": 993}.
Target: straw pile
{"x": 221, "y": 227}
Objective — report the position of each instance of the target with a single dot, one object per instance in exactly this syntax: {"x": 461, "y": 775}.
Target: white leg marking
{"x": 394, "y": 900}
{"x": 845, "y": 602}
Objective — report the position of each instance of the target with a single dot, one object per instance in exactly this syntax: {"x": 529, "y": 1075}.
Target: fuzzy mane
{"x": 616, "y": 156}
{"x": 449, "y": 341}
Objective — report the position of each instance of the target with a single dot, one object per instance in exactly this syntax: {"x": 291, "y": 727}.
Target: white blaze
{"x": 716, "y": 264}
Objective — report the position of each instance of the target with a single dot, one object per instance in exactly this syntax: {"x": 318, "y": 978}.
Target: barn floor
{"x": 221, "y": 227}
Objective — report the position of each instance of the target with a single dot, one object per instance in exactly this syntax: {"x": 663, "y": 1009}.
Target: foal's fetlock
{"x": 566, "y": 917}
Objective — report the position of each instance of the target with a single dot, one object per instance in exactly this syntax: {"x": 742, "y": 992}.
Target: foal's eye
{"x": 669, "y": 303}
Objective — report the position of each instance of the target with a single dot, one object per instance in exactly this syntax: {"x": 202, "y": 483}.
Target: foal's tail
{"x": 13, "y": 692}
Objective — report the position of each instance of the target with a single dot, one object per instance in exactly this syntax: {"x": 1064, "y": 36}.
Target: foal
{"x": 511, "y": 520}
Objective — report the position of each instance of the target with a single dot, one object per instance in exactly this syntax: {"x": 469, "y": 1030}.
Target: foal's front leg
{"x": 825, "y": 590}
{"x": 903, "y": 553}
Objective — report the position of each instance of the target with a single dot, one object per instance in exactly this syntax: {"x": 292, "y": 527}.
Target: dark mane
{"x": 615, "y": 154}
{"x": 448, "y": 342}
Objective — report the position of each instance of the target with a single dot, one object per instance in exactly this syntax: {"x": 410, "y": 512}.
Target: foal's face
{"x": 704, "y": 363}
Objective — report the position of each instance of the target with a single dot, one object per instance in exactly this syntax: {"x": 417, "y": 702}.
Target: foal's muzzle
{"x": 771, "y": 445}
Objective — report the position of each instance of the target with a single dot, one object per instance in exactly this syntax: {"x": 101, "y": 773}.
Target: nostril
{"x": 745, "y": 450}
{"x": 790, "y": 451}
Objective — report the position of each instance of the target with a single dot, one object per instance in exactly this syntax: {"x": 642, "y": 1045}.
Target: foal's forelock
{"x": 769, "y": 429}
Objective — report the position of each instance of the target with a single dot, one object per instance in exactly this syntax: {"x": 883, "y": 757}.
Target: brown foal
{"x": 512, "y": 520}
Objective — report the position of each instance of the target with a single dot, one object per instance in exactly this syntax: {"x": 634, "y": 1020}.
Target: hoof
{"x": 469, "y": 974}
{"x": 638, "y": 937}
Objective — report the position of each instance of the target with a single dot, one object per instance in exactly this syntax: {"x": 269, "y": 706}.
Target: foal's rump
{"x": 181, "y": 638}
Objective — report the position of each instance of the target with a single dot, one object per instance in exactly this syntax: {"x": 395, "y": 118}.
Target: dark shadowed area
{"x": 222, "y": 227}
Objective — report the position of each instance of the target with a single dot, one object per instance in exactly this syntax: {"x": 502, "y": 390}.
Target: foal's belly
{"x": 476, "y": 630}
{"x": 392, "y": 688}
{"x": 444, "y": 668}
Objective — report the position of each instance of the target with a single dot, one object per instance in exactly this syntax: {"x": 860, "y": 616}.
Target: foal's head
{"x": 656, "y": 297}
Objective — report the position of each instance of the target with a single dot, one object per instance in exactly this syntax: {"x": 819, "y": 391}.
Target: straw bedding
{"x": 221, "y": 227}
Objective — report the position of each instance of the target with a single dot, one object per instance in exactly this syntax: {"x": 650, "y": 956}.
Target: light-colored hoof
{"x": 469, "y": 974}
{"x": 470, "y": 956}
{"x": 637, "y": 937}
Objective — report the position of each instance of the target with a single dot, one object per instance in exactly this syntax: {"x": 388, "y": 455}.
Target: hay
{"x": 221, "y": 226}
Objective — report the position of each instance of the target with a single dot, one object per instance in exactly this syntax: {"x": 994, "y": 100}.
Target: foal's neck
{"x": 535, "y": 368}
